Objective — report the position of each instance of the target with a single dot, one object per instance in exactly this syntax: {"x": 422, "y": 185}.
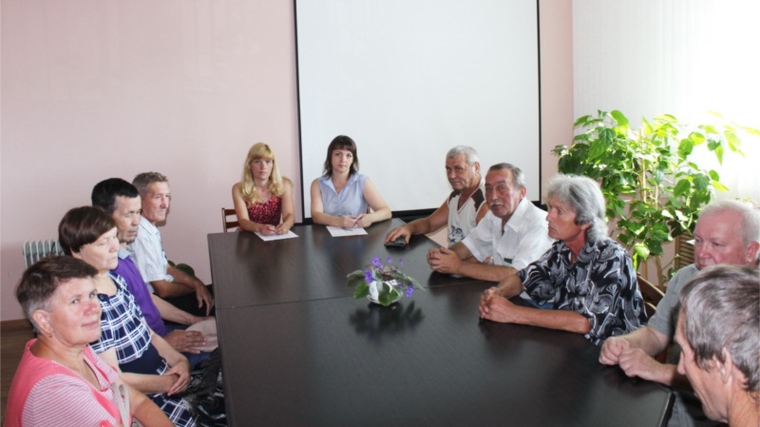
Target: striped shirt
{"x": 45, "y": 393}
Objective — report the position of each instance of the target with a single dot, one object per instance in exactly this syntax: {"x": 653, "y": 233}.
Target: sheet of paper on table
{"x": 342, "y": 232}
{"x": 288, "y": 235}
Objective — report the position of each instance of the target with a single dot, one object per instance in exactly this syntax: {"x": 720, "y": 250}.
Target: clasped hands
{"x": 493, "y": 306}
{"x": 271, "y": 230}
{"x": 355, "y": 221}
{"x": 443, "y": 260}
{"x": 182, "y": 372}
{"x": 633, "y": 361}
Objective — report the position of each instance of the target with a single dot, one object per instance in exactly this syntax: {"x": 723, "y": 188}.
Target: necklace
{"x": 84, "y": 372}
{"x": 78, "y": 366}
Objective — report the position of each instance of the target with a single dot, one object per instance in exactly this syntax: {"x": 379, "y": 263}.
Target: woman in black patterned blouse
{"x": 586, "y": 278}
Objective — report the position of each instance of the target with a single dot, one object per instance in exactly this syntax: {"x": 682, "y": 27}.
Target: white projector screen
{"x": 408, "y": 80}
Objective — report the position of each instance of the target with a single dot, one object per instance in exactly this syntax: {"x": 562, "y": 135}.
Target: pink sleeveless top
{"x": 44, "y": 393}
{"x": 266, "y": 213}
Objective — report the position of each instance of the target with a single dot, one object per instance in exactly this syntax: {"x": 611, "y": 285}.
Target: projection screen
{"x": 408, "y": 80}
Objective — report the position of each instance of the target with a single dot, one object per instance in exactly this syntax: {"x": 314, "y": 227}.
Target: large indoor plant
{"x": 653, "y": 185}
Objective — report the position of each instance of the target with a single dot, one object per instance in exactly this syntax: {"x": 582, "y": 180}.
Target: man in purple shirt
{"x": 121, "y": 199}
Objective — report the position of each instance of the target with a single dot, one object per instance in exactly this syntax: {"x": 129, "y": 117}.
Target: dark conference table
{"x": 314, "y": 356}
{"x": 250, "y": 271}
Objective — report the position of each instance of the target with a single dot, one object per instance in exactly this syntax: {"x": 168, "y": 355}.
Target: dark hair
{"x": 720, "y": 309}
{"x": 143, "y": 180}
{"x": 40, "y": 280}
{"x": 82, "y": 226}
{"x": 518, "y": 177}
{"x": 341, "y": 142}
{"x": 104, "y": 193}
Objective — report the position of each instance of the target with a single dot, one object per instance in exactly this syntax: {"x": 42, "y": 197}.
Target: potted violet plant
{"x": 382, "y": 284}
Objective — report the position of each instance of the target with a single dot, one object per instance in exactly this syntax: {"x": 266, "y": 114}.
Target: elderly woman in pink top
{"x": 60, "y": 380}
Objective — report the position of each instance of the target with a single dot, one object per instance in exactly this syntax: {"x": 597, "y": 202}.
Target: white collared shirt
{"x": 149, "y": 253}
{"x": 522, "y": 240}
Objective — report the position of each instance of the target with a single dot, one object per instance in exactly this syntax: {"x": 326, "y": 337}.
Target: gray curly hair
{"x": 585, "y": 199}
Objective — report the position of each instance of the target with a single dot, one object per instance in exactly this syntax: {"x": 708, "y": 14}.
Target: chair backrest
{"x": 226, "y": 223}
{"x": 684, "y": 251}
{"x": 36, "y": 250}
{"x": 651, "y": 293}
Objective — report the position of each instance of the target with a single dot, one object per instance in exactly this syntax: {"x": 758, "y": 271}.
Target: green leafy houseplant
{"x": 652, "y": 184}
{"x": 383, "y": 284}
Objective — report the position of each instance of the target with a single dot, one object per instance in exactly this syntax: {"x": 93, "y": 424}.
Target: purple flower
{"x": 368, "y": 276}
{"x": 390, "y": 260}
{"x": 409, "y": 291}
{"x": 376, "y": 262}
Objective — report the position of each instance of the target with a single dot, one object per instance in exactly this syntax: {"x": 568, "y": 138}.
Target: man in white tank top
{"x": 464, "y": 207}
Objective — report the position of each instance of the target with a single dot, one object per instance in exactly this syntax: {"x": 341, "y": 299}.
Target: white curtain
{"x": 682, "y": 57}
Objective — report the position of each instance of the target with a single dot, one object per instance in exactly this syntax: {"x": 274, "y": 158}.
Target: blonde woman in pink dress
{"x": 263, "y": 199}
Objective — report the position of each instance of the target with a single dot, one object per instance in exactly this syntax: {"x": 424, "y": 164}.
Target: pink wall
{"x": 92, "y": 90}
{"x": 557, "y": 116}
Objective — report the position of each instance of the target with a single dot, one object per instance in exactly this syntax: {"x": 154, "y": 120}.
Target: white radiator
{"x": 36, "y": 250}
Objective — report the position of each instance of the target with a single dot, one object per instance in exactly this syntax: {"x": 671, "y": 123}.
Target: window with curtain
{"x": 682, "y": 57}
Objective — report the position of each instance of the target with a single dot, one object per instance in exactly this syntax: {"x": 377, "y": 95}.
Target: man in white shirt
{"x": 464, "y": 207}
{"x": 512, "y": 234}
{"x": 168, "y": 282}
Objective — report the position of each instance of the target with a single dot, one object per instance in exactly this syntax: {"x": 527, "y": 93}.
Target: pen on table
{"x": 344, "y": 227}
